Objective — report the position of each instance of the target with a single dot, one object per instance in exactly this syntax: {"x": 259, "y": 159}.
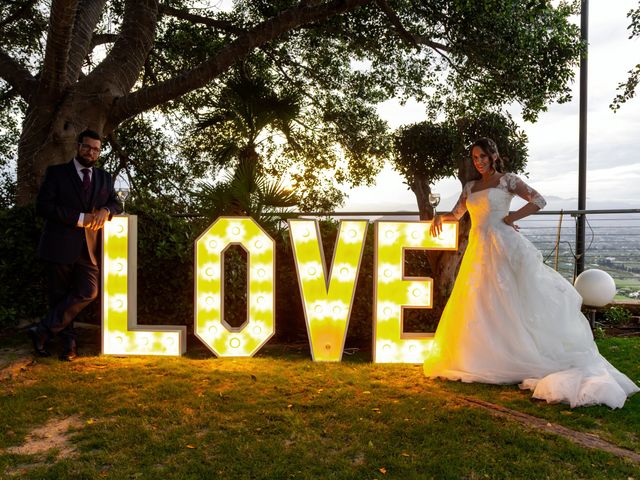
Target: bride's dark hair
{"x": 489, "y": 147}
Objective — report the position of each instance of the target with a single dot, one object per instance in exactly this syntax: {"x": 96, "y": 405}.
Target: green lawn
{"x": 280, "y": 416}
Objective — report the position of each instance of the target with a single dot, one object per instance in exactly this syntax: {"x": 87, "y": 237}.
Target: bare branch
{"x": 54, "y": 70}
{"x": 101, "y": 39}
{"x": 87, "y": 17}
{"x": 408, "y": 37}
{"x": 121, "y": 68}
{"x": 199, "y": 76}
{"x": 209, "y": 22}
{"x": 17, "y": 76}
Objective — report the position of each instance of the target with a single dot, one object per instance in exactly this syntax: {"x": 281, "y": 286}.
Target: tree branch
{"x": 55, "y": 64}
{"x": 121, "y": 68}
{"x": 123, "y": 156}
{"x": 209, "y": 22}
{"x": 87, "y": 17}
{"x": 408, "y": 37}
{"x": 287, "y": 20}
{"x": 17, "y": 76}
{"x": 101, "y": 39}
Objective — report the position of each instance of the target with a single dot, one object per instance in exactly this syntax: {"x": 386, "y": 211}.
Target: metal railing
{"x": 612, "y": 244}
{"x": 612, "y": 240}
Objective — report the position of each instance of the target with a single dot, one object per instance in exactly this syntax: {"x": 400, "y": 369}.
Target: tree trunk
{"x": 421, "y": 189}
{"x": 444, "y": 265}
{"x": 61, "y": 104}
{"x": 49, "y": 135}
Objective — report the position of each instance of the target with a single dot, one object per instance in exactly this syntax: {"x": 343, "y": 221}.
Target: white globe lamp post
{"x": 597, "y": 289}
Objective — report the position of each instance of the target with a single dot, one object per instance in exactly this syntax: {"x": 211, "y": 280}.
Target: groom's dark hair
{"x": 89, "y": 133}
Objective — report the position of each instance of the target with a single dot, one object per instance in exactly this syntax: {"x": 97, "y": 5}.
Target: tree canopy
{"x": 426, "y": 152}
{"x": 627, "y": 90}
{"x": 148, "y": 75}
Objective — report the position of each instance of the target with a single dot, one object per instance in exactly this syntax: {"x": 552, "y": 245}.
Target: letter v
{"x": 327, "y": 299}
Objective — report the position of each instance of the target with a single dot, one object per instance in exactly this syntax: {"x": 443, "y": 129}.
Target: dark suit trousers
{"x": 71, "y": 288}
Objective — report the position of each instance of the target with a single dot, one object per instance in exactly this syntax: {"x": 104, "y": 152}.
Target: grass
{"x": 280, "y": 416}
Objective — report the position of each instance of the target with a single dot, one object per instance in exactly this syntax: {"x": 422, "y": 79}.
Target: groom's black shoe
{"x": 39, "y": 338}
{"x": 70, "y": 352}
{"x": 69, "y": 356}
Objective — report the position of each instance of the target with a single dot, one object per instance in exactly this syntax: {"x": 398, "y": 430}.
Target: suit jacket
{"x": 60, "y": 201}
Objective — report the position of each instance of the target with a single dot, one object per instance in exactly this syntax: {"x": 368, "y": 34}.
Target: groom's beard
{"x": 86, "y": 162}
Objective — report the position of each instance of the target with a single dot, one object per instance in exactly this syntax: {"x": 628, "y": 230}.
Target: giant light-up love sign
{"x": 121, "y": 334}
{"x": 327, "y": 298}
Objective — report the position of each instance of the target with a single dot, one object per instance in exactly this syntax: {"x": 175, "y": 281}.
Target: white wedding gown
{"x": 511, "y": 319}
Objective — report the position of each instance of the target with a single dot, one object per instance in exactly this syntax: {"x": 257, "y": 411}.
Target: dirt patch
{"x": 584, "y": 439}
{"x": 622, "y": 331}
{"x": 14, "y": 368}
{"x": 54, "y": 435}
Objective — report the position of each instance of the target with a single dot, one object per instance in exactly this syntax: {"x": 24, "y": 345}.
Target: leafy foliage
{"x": 617, "y": 315}
{"x": 326, "y": 75}
{"x": 141, "y": 152}
{"x": 427, "y": 151}
{"x": 627, "y": 90}
{"x": 23, "y": 294}
{"x": 496, "y": 61}
{"x": 314, "y": 143}
{"x": 247, "y": 192}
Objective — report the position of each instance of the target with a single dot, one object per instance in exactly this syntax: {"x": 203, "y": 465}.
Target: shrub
{"x": 22, "y": 286}
{"x": 617, "y": 315}
{"x": 165, "y": 275}
{"x": 165, "y": 266}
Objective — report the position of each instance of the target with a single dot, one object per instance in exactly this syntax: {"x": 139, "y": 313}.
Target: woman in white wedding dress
{"x": 510, "y": 318}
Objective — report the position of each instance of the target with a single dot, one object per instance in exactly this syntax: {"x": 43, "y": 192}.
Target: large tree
{"x": 72, "y": 64}
{"x": 426, "y": 152}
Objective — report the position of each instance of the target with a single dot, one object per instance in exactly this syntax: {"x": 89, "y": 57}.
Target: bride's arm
{"x": 436, "y": 225}
{"x": 458, "y": 211}
{"x": 524, "y": 191}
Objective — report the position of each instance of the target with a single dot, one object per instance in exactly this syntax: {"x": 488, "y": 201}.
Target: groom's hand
{"x": 96, "y": 219}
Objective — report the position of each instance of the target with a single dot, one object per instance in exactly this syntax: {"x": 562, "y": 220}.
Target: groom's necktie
{"x": 86, "y": 183}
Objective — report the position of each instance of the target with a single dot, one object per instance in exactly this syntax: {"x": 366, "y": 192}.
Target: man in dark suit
{"x": 75, "y": 199}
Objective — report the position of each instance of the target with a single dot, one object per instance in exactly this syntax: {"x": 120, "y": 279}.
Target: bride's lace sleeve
{"x": 518, "y": 187}
{"x": 460, "y": 208}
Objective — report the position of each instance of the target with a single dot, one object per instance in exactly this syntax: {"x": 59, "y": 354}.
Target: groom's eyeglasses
{"x": 85, "y": 146}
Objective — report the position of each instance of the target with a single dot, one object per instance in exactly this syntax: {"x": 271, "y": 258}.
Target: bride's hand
{"x": 509, "y": 221}
{"x": 436, "y": 226}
